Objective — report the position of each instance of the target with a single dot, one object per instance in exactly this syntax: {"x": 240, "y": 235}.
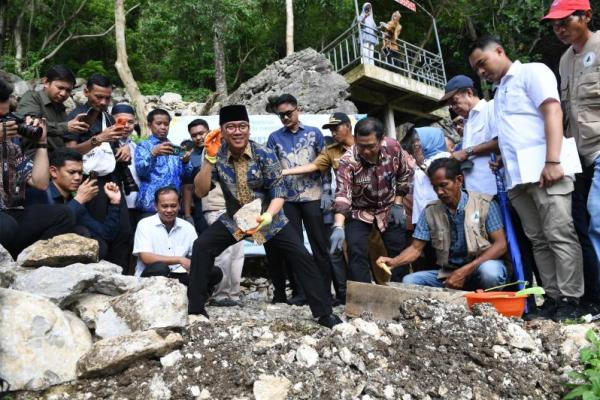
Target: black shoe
{"x": 199, "y": 312}
{"x": 225, "y": 302}
{"x": 297, "y": 301}
{"x": 545, "y": 311}
{"x": 568, "y": 309}
{"x": 279, "y": 299}
{"x": 329, "y": 321}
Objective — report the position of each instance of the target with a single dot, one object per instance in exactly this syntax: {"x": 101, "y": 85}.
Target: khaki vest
{"x": 476, "y": 212}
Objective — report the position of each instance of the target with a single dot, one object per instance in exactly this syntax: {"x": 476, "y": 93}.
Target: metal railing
{"x": 351, "y": 49}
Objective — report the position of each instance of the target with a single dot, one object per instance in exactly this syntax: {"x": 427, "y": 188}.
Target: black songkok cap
{"x": 235, "y": 112}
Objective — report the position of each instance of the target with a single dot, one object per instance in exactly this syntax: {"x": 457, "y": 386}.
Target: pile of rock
{"x": 66, "y": 320}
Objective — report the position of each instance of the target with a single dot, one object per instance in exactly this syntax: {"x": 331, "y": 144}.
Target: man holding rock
{"x": 247, "y": 171}
{"x": 465, "y": 230}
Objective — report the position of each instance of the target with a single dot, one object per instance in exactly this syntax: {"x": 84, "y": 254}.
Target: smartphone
{"x": 90, "y": 117}
{"x": 178, "y": 151}
{"x": 121, "y": 122}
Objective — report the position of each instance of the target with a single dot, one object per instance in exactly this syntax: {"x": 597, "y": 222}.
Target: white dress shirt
{"x": 517, "y": 117}
{"x": 478, "y": 130}
{"x": 151, "y": 236}
{"x": 423, "y": 192}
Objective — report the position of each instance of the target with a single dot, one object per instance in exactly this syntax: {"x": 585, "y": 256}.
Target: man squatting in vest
{"x": 466, "y": 231}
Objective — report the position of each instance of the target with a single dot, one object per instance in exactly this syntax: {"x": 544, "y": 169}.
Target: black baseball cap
{"x": 455, "y": 84}
{"x": 336, "y": 119}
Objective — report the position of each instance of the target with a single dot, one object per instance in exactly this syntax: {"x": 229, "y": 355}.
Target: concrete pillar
{"x": 389, "y": 122}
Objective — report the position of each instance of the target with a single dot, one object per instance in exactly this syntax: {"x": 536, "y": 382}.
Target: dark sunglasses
{"x": 286, "y": 114}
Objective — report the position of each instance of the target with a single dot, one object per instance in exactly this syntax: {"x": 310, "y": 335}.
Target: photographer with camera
{"x": 158, "y": 162}
{"x": 105, "y": 155}
{"x": 49, "y": 104}
{"x": 22, "y": 226}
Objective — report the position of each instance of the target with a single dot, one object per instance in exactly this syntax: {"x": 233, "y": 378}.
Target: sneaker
{"x": 297, "y": 300}
{"x": 568, "y": 309}
{"x": 545, "y": 311}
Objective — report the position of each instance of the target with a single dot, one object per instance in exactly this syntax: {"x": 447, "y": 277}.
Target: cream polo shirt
{"x": 151, "y": 236}
{"x": 518, "y": 120}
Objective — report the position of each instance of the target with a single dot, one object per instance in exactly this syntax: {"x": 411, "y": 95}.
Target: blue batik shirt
{"x": 157, "y": 172}
{"x": 300, "y": 148}
{"x": 263, "y": 178}
{"x": 458, "y": 241}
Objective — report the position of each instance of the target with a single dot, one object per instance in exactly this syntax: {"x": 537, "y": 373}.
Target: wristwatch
{"x": 469, "y": 151}
{"x": 95, "y": 142}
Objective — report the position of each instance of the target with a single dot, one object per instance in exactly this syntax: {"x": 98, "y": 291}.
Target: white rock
{"x": 501, "y": 351}
{"x": 395, "y": 329}
{"x": 575, "y": 339}
{"x": 171, "y": 98}
{"x": 159, "y": 389}
{"x": 88, "y": 305}
{"x": 369, "y": 328}
{"x": 519, "y": 338}
{"x": 269, "y": 387}
{"x": 388, "y": 392}
{"x": 171, "y": 359}
{"x": 307, "y": 355}
{"x": 159, "y": 303}
{"x": 309, "y": 340}
{"x": 109, "y": 356}
{"x": 40, "y": 344}
{"x": 204, "y": 395}
{"x": 116, "y": 284}
{"x": 245, "y": 217}
{"x": 345, "y": 329}
{"x": 195, "y": 390}
{"x": 346, "y": 355}
{"x": 59, "y": 285}
{"x": 59, "y": 251}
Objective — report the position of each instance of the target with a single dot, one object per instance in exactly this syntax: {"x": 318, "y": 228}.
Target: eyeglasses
{"x": 243, "y": 127}
{"x": 286, "y": 114}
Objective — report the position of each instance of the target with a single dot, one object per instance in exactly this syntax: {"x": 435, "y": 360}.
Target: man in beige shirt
{"x": 580, "y": 97}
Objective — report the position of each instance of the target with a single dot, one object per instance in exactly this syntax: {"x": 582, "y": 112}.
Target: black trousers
{"x": 217, "y": 238}
{"x": 22, "y": 228}
{"x": 357, "y": 238}
{"x": 308, "y": 213}
{"x": 339, "y": 268}
{"x": 119, "y": 251}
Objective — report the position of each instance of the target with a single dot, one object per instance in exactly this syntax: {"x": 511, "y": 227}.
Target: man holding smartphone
{"x": 156, "y": 163}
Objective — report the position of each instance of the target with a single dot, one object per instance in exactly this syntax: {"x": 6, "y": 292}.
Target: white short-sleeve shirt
{"x": 478, "y": 130}
{"x": 517, "y": 117}
{"x": 151, "y": 236}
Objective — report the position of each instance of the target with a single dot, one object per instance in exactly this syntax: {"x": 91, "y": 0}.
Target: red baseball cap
{"x": 563, "y": 8}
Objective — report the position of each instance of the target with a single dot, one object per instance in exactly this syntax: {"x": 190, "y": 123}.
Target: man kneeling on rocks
{"x": 247, "y": 171}
{"x": 466, "y": 231}
{"x": 163, "y": 242}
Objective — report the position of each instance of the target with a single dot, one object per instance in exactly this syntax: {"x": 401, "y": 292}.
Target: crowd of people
{"x": 420, "y": 210}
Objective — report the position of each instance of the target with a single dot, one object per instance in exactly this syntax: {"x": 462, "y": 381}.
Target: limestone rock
{"x": 307, "y": 75}
{"x": 369, "y": 328}
{"x": 61, "y": 286}
{"x": 9, "y": 269}
{"x": 575, "y": 339}
{"x": 245, "y": 217}
{"x": 59, "y": 251}
{"x": 88, "y": 305}
{"x": 40, "y": 343}
{"x": 519, "y": 338}
{"x": 395, "y": 329}
{"x": 159, "y": 389}
{"x": 115, "y": 284}
{"x": 307, "y": 355}
{"x": 269, "y": 387}
{"x": 159, "y": 303}
{"x": 171, "y": 98}
{"x": 171, "y": 359}
{"x": 345, "y": 329}
{"x": 109, "y": 356}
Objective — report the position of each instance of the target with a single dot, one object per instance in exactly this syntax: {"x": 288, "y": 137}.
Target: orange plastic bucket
{"x": 506, "y": 303}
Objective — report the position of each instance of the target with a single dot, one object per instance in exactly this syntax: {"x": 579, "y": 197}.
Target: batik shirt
{"x": 300, "y": 148}
{"x": 157, "y": 172}
{"x": 12, "y": 192}
{"x": 365, "y": 190}
{"x": 256, "y": 175}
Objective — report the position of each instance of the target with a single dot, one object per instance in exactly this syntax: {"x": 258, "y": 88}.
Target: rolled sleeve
{"x": 494, "y": 218}
{"x": 541, "y": 83}
{"x": 422, "y": 229}
{"x": 343, "y": 194}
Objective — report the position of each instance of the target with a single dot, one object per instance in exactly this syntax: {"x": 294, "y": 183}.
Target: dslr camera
{"x": 25, "y": 130}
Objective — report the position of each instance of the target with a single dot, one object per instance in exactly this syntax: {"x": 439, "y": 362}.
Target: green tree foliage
{"x": 170, "y": 43}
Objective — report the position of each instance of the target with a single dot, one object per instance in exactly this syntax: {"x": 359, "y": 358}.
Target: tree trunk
{"x": 3, "y": 12}
{"x": 124, "y": 71}
{"x": 289, "y": 27}
{"x": 19, "y": 43}
{"x": 220, "y": 73}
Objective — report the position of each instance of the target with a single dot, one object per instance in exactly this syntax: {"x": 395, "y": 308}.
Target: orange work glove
{"x": 212, "y": 143}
